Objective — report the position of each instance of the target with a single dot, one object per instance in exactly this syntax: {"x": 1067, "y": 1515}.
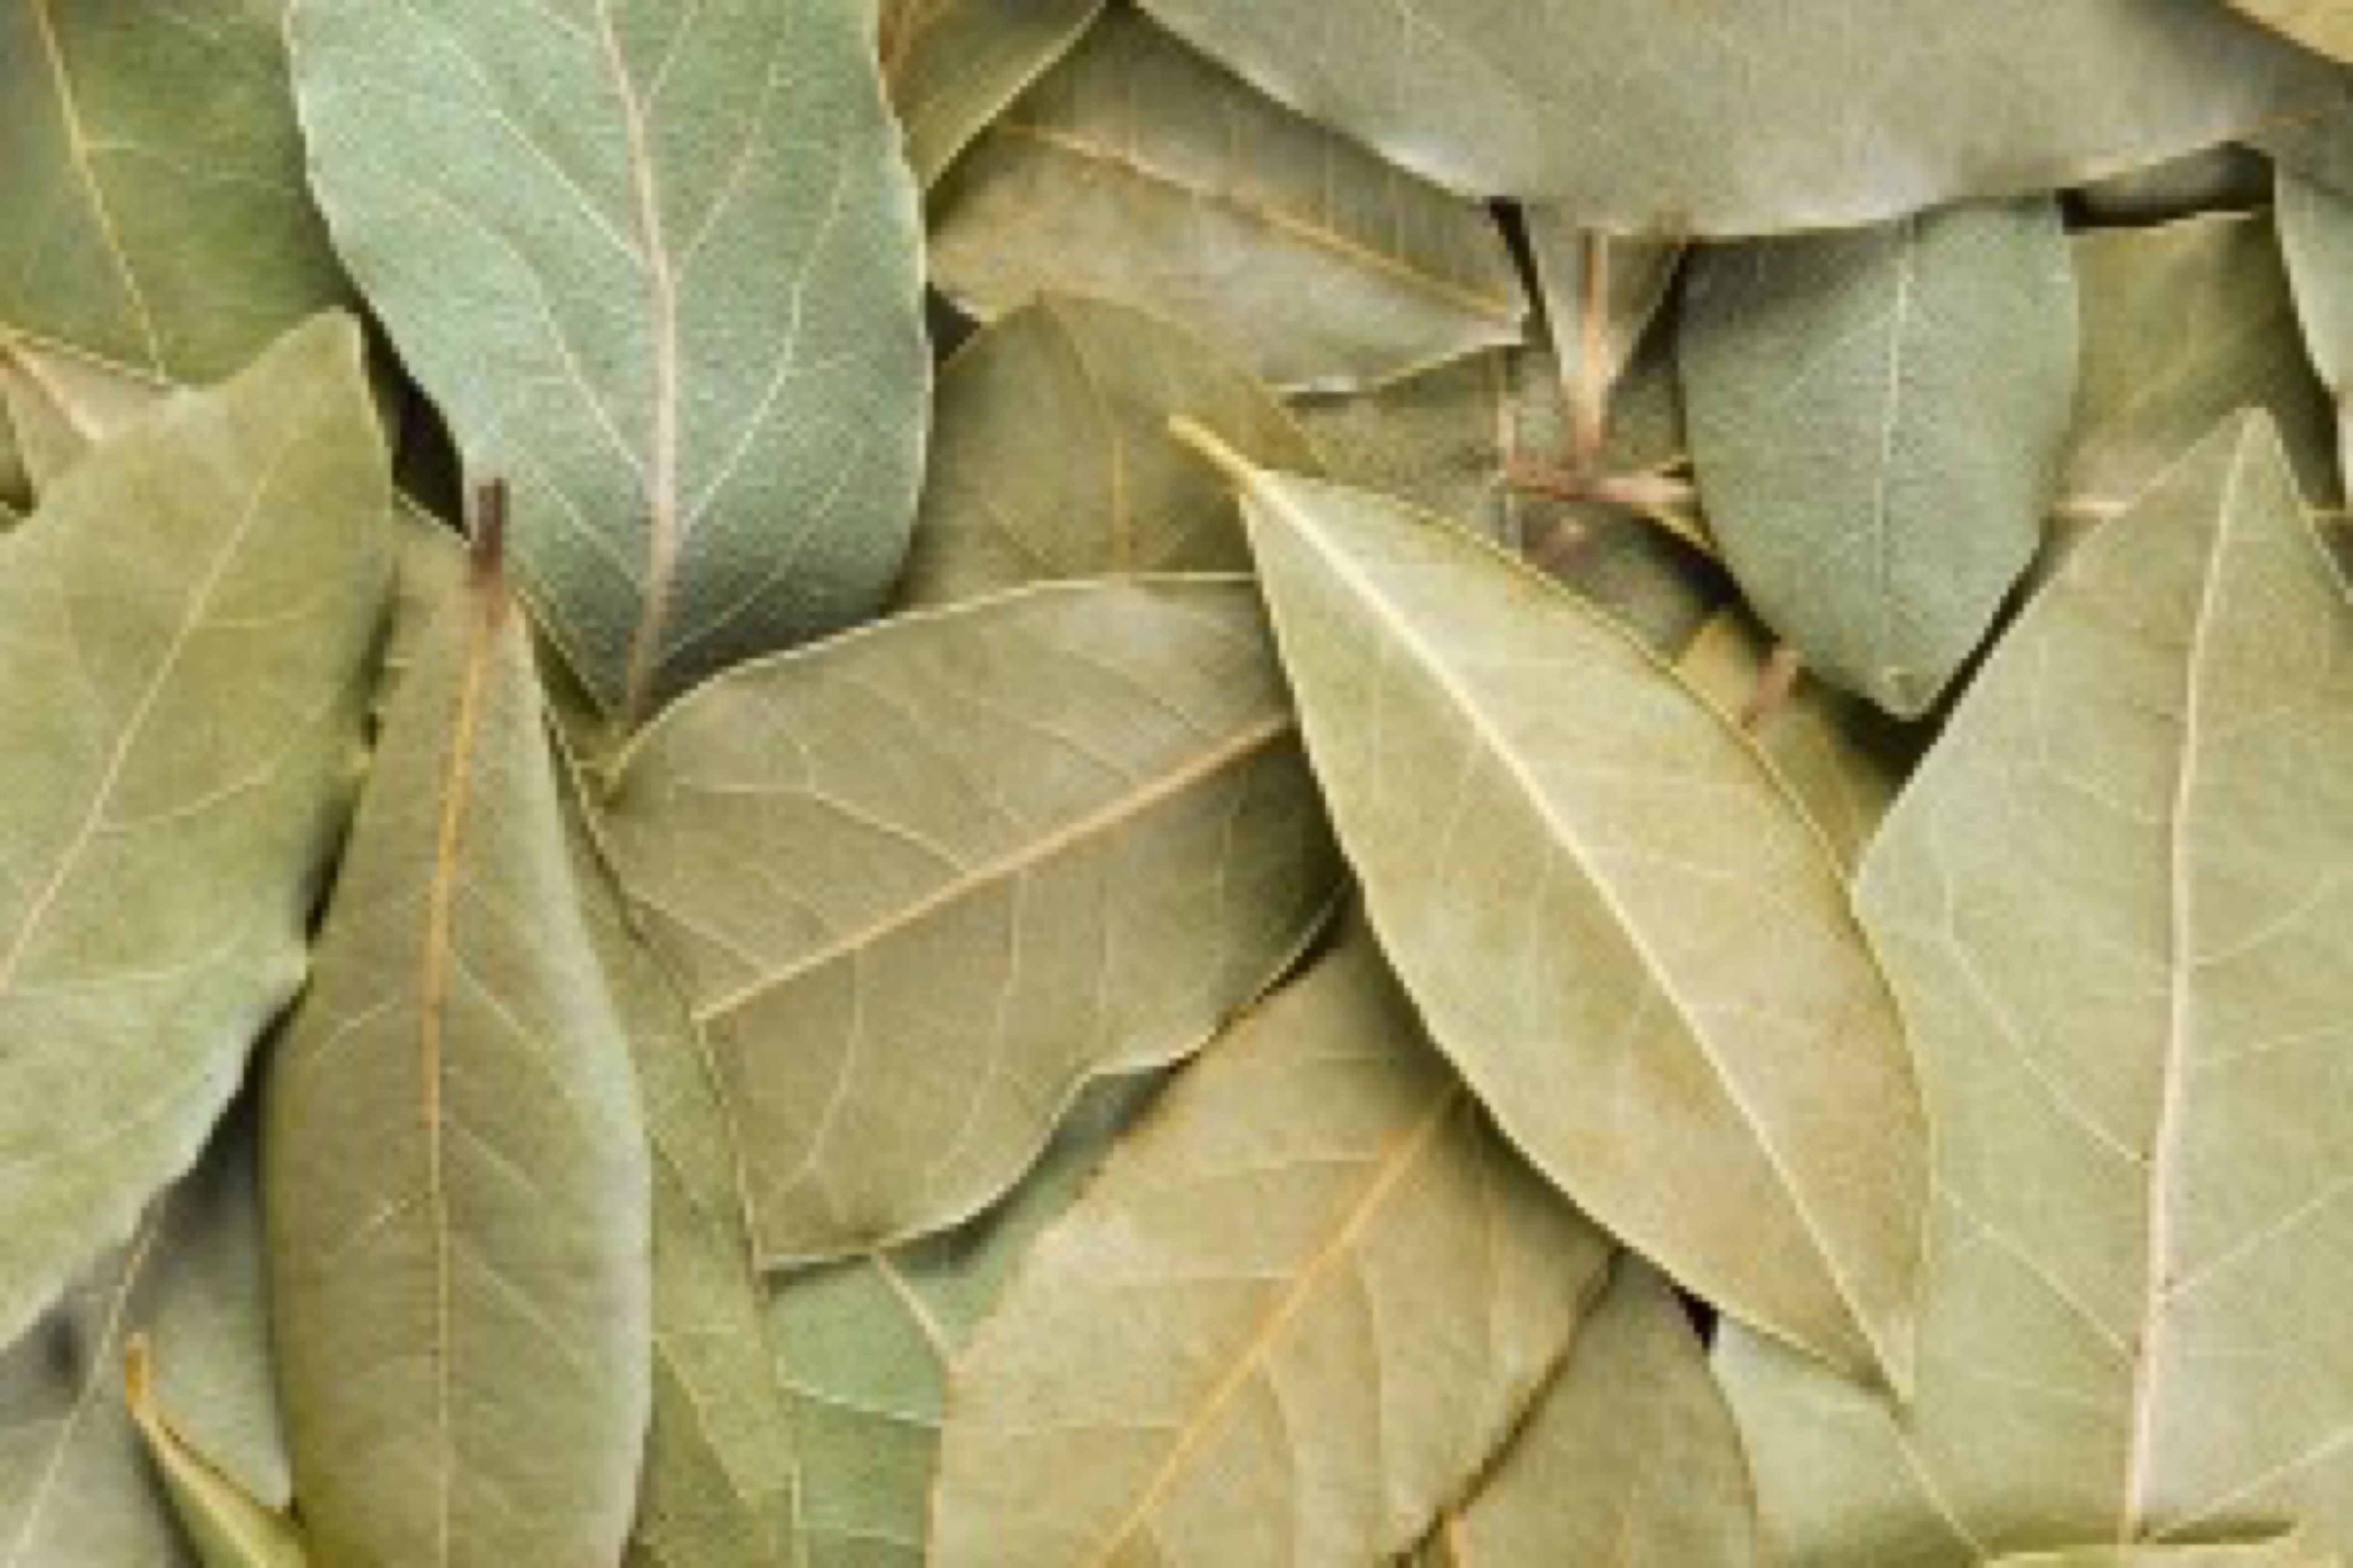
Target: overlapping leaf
{"x": 185, "y": 631}
{"x": 1877, "y": 419}
{"x": 2114, "y": 905}
{"x": 1787, "y": 115}
{"x": 1053, "y": 458}
{"x": 454, "y": 1166}
{"x": 1586, "y": 878}
{"x": 953, "y": 65}
{"x": 658, "y": 267}
{"x": 922, "y": 882}
{"x": 1137, "y": 171}
{"x": 1251, "y": 1340}
{"x": 229, "y": 1526}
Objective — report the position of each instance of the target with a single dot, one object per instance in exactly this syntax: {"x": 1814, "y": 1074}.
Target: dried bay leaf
{"x": 186, "y": 631}
{"x": 161, "y": 221}
{"x": 1051, "y": 455}
{"x": 1600, "y": 295}
{"x": 1251, "y": 1340}
{"x": 453, "y": 1161}
{"x": 76, "y": 1488}
{"x": 1878, "y": 419}
{"x": 1630, "y": 1456}
{"x": 1575, "y": 863}
{"x": 952, "y": 66}
{"x": 2112, "y": 905}
{"x": 865, "y": 1347}
{"x": 2291, "y": 1551}
{"x": 2324, "y": 25}
{"x": 228, "y": 1525}
{"x": 1712, "y": 119}
{"x": 686, "y": 324}
{"x": 922, "y": 882}
{"x": 1137, "y": 171}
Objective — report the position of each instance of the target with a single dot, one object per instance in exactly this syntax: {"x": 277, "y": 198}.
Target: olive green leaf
{"x": 1843, "y": 758}
{"x": 76, "y": 1488}
{"x": 865, "y": 1347}
{"x": 1290, "y": 1320}
{"x": 923, "y": 881}
{"x": 60, "y": 403}
{"x": 2325, "y": 26}
{"x": 1630, "y": 1456}
{"x": 718, "y": 1486}
{"x": 228, "y": 1525}
{"x": 658, "y": 267}
{"x": 187, "y": 627}
{"x": 1878, "y": 419}
{"x": 2184, "y": 325}
{"x": 454, "y": 1170}
{"x": 158, "y": 218}
{"x": 1786, "y": 115}
{"x": 1053, "y": 457}
{"x": 2218, "y": 179}
{"x": 1137, "y": 171}
{"x": 2112, "y": 904}
{"x": 952, "y": 66}
{"x": 1585, "y": 875}
{"x": 1600, "y": 295}
{"x": 2291, "y": 1551}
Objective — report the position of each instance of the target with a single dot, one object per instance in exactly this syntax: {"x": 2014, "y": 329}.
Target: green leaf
{"x": 922, "y": 882}
{"x": 61, "y": 404}
{"x": 1675, "y": 930}
{"x": 1053, "y": 459}
{"x": 2292, "y": 1550}
{"x": 1878, "y": 419}
{"x": 1252, "y": 1338}
{"x": 952, "y": 66}
{"x": 159, "y": 218}
{"x": 1842, "y": 758}
{"x": 1630, "y": 1456}
{"x": 229, "y": 1526}
{"x": 1138, "y": 171}
{"x": 1787, "y": 115}
{"x": 187, "y": 630}
{"x": 865, "y": 1347}
{"x": 658, "y": 267}
{"x": 2112, "y": 905}
{"x": 453, "y": 1164}
{"x": 2324, "y": 26}
{"x": 718, "y": 1486}
{"x": 76, "y": 1488}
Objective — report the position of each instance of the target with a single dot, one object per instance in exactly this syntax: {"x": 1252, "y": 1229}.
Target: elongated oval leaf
{"x": 1138, "y": 171}
{"x": 953, "y": 65}
{"x": 1715, "y": 119}
{"x": 1878, "y": 419}
{"x": 159, "y": 218}
{"x": 1053, "y": 458}
{"x": 1253, "y": 1339}
{"x": 186, "y": 630}
{"x": 454, "y": 1169}
{"x": 2112, "y": 906}
{"x": 922, "y": 882}
{"x": 229, "y": 1527}
{"x": 658, "y": 267}
{"x": 1619, "y": 924}
{"x": 1630, "y": 1456}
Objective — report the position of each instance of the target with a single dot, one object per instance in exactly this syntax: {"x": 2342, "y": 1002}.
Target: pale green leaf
{"x": 659, "y": 268}
{"x": 1585, "y": 875}
{"x": 453, "y": 1163}
{"x": 865, "y": 1347}
{"x": 2292, "y": 1550}
{"x": 952, "y": 66}
{"x": 229, "y": 1526}
{"x": 1140, "y": 172}
{"x": 1629, "y": 1458}
{"x": 158, "y": 216}
{"x": 2322, "y": 25}
{"x": 1288, "y": 1321}
{"x": 1053, "y": 456}
{"x": 77, "y": 1491}
{"x": 1878, "y": 419}
{"x": 922, "y": 882}
{"x": 1718, "y": 120}
{"x": 2112, "y": 904}
{"x": 186, "y": 631}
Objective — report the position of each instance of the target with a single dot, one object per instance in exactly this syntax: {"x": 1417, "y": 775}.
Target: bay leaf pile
{"x": 1042, "y": 784}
